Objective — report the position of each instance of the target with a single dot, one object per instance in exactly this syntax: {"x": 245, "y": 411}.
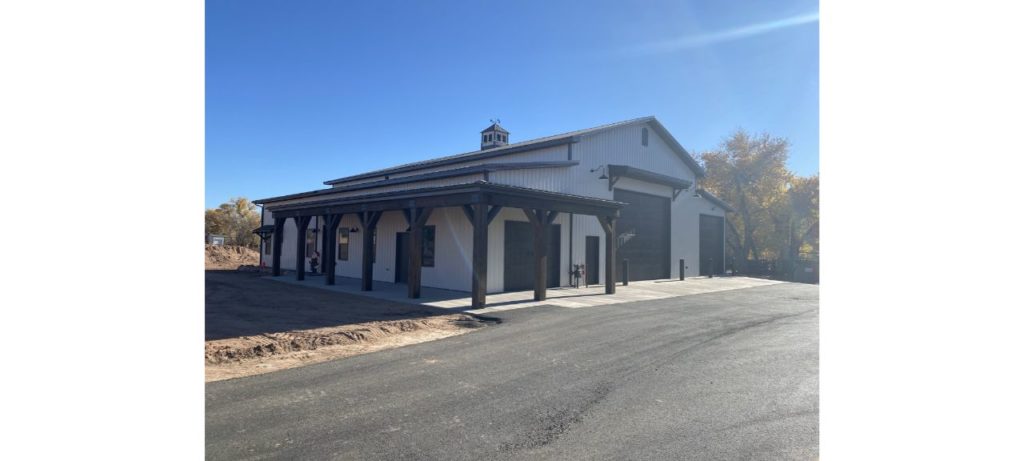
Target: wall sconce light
{"x": 603, "y": 172}
{"x": 353, "y": 230}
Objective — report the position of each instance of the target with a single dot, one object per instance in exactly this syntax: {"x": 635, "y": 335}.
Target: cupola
{"x": 493, "y": 136}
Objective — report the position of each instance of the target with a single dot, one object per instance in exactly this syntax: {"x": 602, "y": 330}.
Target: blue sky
{"x": 302, "y": 92}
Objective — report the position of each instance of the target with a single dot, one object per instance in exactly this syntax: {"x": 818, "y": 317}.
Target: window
{"x": 310, "y": 242}
{"x": 342, "y": 244}
{"x": 428, "y": 246}
{"x": 267, "y": 242}
{"x": 643, "y": 137}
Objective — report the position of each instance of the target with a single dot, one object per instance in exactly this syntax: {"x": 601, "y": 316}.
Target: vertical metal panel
{"x": 453, "y": 260}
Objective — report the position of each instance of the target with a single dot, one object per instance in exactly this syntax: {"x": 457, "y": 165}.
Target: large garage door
{"x": 644, "y": 236}
{"x": 519, "y": 255}
{"x": 712, "y": 245}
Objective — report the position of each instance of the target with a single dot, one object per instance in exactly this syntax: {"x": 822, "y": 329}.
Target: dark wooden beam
{"x": 323, "y": 243}
{"x": 480, "y": 225}
{"x": 277, "y": 239}
{"x": 438, "y": 199}
{"x": 610, "y": 244}
{"x": 493, "y": 212}
{"x": 331, "y": 255}
{"x": 539, "y": 219}
{"x": 417, "y": 219}
{"x": 468, "y": 210}
{"x": 301, "y": 224}
{"x": 532, "y": 216}
{"x": 550, "y": 217}
{"x": 408, "y": 217}
{"x": 612, "y": 179}
{"x": 368, "y": 221}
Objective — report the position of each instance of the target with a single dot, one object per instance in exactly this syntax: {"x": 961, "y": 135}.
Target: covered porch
{"x": 480, "y": 202}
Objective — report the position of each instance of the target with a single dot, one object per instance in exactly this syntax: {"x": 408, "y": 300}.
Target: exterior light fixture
{"x": 603, "y": 172}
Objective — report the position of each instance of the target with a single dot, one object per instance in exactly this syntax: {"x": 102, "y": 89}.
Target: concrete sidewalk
{"x": 561, "y": 296}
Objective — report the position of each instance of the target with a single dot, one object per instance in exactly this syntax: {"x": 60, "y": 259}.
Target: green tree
{"x": 803, "y": 217}
{"x": 749, "y": 172}
{"x": 236, "y": 220}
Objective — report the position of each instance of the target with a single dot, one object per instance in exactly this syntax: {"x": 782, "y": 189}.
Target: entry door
{"x": 593, "y": 260}
{"x": 519, "y": 256}
{"x": 712, "y": 245}
{"x": 402, "y": 257}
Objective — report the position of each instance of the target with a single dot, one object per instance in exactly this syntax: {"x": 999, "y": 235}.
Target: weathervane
{"x": 496, "y": 120}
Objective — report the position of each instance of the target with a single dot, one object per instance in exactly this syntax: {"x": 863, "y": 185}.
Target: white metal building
{"x": 535, "y": 209}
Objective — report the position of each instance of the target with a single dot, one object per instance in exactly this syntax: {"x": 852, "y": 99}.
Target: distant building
{"x": 215, "y": 239}
{"x": 511, "y": 216}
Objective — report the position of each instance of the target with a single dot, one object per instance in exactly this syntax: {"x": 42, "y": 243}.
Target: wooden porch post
{"x": 330, "y": 246}
{"x": 610, "y": 243}
{"x": 301, "y": 223}
{"x": 541, "y": 221}
{"x": 323, "y": 242}
{"x": 276, "y": 240}
{"x": 480, "y": 225}
{"x": 368, "y": 221}
{"x": 417, "y": 219}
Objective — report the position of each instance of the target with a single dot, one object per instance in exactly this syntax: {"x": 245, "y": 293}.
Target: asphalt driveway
{"x": 725, "y": 375}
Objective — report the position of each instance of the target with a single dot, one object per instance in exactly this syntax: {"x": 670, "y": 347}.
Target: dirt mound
{"x": 230, "y": 257}
{"x": 272, "y": 344}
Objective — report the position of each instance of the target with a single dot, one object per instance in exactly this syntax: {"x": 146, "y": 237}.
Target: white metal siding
{"x": 454, "y": 236}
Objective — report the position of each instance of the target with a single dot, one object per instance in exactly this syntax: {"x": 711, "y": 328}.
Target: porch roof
{"x": 450, "y": 196}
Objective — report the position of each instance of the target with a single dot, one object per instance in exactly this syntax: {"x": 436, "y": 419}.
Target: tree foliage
{"x": 776, "y": 212}
{"x": 235, "y": 220}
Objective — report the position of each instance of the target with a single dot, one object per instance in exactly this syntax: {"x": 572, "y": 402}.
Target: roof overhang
{"x": 452, "y": 196}
{"x": 264, "y": 231}
{"x": 715, "y": 200}
{"x": 622, "y": 171}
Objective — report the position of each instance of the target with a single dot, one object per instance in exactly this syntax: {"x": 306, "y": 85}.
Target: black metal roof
{"x": 648, "y": 176}
{"x": 454, "y": 195}
{"x": 717, "y": 201}
{"x": 264, "y": 229}
{"x": 495, "y": 127}
{"x": 533, "y": 144}
{"x": 453, "y": 173}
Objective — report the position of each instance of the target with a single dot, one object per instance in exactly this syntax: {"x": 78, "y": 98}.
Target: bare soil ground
{"x": 230, "y": 257}
{"x": 256, "y": 326}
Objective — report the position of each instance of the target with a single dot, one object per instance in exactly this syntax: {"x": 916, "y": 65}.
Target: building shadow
{"x": 243, "y": 304}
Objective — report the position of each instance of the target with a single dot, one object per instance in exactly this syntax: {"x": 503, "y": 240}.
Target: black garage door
{"x": 519, "y": 255}
{"x": 644, "y": 236}
{"x": 712, "y": 245}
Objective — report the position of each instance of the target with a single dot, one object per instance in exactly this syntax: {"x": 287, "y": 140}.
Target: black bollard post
{"x": 682, "y": 269}
{"x": 711, "y": 268}
{"x": 625, "y": 272}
